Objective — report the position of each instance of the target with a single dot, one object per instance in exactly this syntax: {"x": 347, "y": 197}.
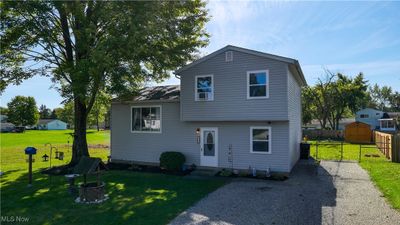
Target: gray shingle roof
{"x": 157, "y": 93}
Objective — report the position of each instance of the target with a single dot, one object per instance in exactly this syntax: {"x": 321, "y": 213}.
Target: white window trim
{"x": 269, "y": 139}
{"x": 267, "y": 84}
{"x": 146, "y": 132}
{"x": 196, "y": 97}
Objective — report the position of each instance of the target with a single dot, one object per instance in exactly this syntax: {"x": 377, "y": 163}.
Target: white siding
{"x": 294, "y": 109}
{"x": 181, "y": 136}
{"x": 373, "y": 117}
{"x": 230, "y": 90}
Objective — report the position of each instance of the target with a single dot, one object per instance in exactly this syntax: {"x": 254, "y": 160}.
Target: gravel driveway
{"x": 334, "y": 193}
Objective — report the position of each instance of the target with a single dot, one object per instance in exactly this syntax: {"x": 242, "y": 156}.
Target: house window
{"x": 204, "y": 88}
{"x": 364, "y": 116}
{"x": 260, "y": 140}
{"x": 257, "y": 84}
{"x": 146, "y": 119}
{"x": 388, "y": 124}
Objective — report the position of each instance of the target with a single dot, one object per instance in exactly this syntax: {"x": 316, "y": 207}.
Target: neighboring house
{"x": 235, "y": 108}
{"x": 370, "y": 117}
{"x": 7, "y": 127}
{"x": 388, "y": 122}
{"x": 3, "y": 118}
{"x": 51, "y": 124}
{"x": 315, "y": 124}
{"x": 378, "y": 120}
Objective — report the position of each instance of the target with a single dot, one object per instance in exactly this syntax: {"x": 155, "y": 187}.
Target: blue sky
{"x": 347, "y": 37}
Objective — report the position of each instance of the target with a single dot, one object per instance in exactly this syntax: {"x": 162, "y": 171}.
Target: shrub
{"x": 172, "y": 161}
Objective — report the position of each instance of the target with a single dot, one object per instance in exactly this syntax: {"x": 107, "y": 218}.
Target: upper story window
{"x": 364, "y": 116}
{"x": 146, "y": 119}
{"x": 204, "y": 88}
{"x": 260, "y": 140}
{"x": 257, "y": 84}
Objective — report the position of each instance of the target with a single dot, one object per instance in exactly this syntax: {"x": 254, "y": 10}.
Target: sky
{"x": 346, "y": 37}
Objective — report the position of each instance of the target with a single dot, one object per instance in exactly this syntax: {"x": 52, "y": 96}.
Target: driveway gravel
{"x": 334, "y": 193}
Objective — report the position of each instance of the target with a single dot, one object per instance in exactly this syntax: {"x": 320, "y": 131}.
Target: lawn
{"x": 385, "y": 174}
{"x": 134, "y": 197}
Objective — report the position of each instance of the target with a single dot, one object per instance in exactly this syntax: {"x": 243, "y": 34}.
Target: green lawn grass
{"x": 134, "y": 198}
{"x": 384, "y": 173}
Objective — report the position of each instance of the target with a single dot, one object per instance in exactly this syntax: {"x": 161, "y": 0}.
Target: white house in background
{"x": 3, "y": 118}
{"x": 369, "y": 116}
{"x": 51, "y": 124}
{"x": 6, "y": 127}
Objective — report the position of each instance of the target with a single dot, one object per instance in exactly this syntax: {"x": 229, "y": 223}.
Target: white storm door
{"x": 209, "y": 147}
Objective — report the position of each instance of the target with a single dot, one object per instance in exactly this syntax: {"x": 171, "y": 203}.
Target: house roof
{"x": 394, "y": 114}
{"x": 291, "y": 61}
{"x": 369, "y": 109}
{"x": 89, "y": 165}
{"x": 156, "y": 93}
{"x": 342, "y": 121}
{"x": 46, "y": 121}
{"x": 6, "y": 124}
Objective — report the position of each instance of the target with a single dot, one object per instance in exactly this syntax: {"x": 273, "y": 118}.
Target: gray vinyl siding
{"x": 230, "y": 90}
{"x": 180, "y": 136}
{"x": 294, "y": 112}
{"x": 373, "y": 117}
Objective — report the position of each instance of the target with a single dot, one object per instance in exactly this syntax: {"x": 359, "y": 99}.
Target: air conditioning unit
{"x": 228, "y": 56}
{"x": 203, "y": 96}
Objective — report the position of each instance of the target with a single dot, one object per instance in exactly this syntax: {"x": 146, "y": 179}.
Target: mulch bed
{"x": 146, "y": 168}
{"x": 274, "y": 176}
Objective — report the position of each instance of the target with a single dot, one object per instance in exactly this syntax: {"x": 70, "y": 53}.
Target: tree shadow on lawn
{"x": 134, "y": 198}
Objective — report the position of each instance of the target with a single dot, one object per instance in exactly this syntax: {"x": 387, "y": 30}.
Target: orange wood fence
{"x": 388, "y": 144}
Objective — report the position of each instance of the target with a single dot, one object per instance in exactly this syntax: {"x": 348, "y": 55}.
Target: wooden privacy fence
{"x": 388, "y": 144}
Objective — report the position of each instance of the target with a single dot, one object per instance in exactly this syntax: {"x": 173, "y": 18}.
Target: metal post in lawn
{"x": 359, "y": 155}
{"x": 316, "y": 150}
{"x": 30, "y": 170}
{"x": 341, "y": 151}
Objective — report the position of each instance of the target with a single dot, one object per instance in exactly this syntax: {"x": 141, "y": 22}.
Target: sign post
{"x": 30, "y": 151}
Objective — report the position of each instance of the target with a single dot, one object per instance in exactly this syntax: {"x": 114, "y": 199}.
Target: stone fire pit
{"x": 91, "y": 192}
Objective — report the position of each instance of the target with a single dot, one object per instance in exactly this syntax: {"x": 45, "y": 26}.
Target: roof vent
{"x": 228, "y": 56}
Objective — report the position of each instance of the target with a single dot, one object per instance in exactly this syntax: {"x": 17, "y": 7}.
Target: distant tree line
{"x": 337, "y": 96}
{"x": 23, "y": 111}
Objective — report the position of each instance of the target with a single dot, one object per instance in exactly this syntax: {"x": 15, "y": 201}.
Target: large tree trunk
{"x": 97, "y": 122}
{"x": 79, "y": 147}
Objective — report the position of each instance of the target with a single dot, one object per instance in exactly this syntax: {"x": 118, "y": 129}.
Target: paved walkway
{"x": 337, "y": 193}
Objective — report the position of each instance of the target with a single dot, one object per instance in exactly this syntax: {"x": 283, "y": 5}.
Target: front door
{"x": 209, "y": 147}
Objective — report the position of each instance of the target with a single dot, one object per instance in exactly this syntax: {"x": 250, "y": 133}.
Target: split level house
{"x": 378, "y": 120}
{"x": 234, "y": 108}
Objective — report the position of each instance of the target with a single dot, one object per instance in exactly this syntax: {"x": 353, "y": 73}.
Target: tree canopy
{"x": 22, "y": 111}
{"x": 44, "y": 112}
{"x": 91, "y": 46}
{"x": 333, "y": 98}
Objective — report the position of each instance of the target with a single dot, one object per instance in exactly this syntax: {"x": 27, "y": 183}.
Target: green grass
{"x": 384, "y": 173}
{"x": 134, "y": 198}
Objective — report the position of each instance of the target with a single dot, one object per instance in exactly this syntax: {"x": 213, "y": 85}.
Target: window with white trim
{"x": 260, "y": 140}
{"x": 146, "y": 119}
{"x": 204, "y": 88}
{"x": 364, "y": 116}
{"x": 257, "y": 84}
